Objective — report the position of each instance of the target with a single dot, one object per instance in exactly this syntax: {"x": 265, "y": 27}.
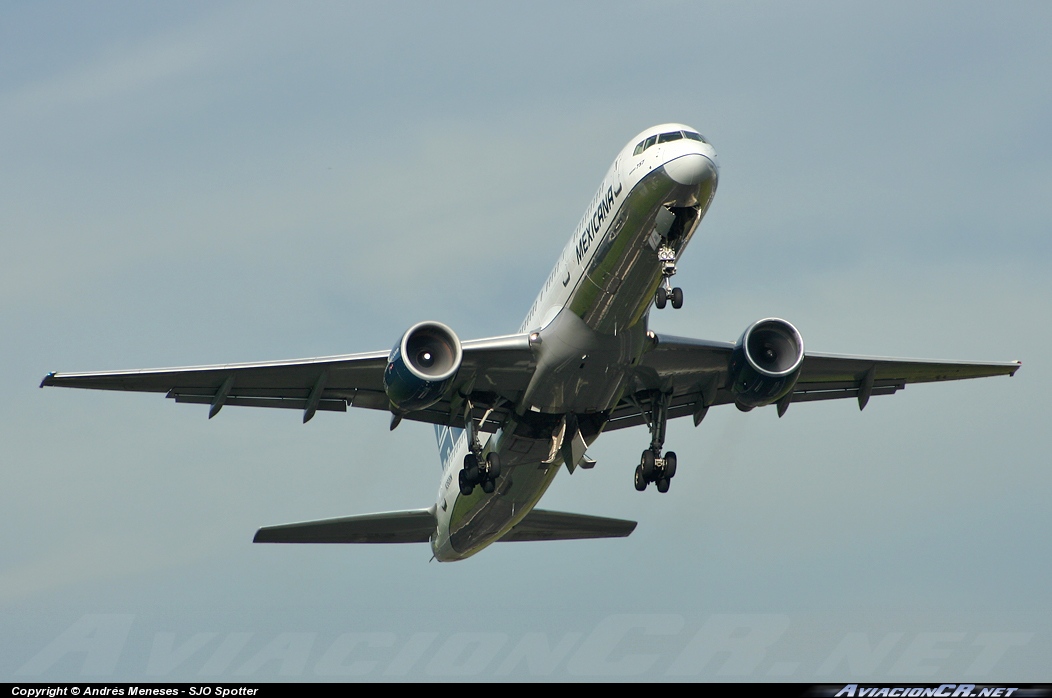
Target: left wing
{"x": 697, "y": 374}
{"x": 494, "y": 372}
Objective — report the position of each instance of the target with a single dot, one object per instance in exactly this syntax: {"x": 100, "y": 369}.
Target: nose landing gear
{"x": 665, "y": 292}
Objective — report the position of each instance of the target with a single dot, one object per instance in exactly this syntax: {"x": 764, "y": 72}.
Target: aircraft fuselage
{"x": 588, "y": 327}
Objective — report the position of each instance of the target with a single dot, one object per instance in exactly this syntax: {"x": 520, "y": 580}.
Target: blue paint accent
{"x": 447, "y": 438}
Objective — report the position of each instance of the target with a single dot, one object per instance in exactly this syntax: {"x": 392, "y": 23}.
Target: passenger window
{"x": 666, "y": 137}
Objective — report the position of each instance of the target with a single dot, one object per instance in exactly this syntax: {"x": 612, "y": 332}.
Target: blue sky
{"x": 206, "y": 183}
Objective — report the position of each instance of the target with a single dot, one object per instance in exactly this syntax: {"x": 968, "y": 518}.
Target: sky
{"x": 217, "y": 182}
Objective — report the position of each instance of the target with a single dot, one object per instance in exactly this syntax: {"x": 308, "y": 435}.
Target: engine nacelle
{"x": 422, "y": 366}
{"x": 766, "y": 363}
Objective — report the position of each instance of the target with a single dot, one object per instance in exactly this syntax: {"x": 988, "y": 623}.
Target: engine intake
{"x": 422, "y": 366}
{"x": 766, "y": 363}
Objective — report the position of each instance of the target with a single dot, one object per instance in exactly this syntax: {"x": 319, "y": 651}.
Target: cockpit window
{"x": 666, "y": 138}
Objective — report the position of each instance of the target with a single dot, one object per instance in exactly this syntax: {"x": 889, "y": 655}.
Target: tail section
{"x": 418, "y": 526}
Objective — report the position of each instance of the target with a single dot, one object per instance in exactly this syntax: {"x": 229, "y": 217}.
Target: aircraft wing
{"x": 496, "y": 370}
{"x": 697, "y": 374}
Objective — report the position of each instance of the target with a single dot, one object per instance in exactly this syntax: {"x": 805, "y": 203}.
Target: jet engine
{"x": 421, "y": 367}
{"x": 766, "y": 363}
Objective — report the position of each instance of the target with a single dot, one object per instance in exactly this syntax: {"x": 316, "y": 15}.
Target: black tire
{"x": 493, "y": 466}
{"x": 670, "y": 465}
{"x": 646, "y": 465}
{"x": 661, "y": 298}
{"x": 466, "y": 487}
{"x": 640, "y": 481}
{"x": 677, "y": 297}
{"x": 662, "y": 485}
{"x": 471, "y": 468}
{"x": 488, "y": 486}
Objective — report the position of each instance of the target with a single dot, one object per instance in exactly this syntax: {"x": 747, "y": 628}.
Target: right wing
{"x": 696, "y": 373}
{"x": 495, "y": 371}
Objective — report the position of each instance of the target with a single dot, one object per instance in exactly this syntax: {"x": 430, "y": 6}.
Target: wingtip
{"x": 47, "y": 379}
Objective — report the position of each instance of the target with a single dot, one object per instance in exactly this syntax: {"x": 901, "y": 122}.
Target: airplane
{"x": 510, "y": 411}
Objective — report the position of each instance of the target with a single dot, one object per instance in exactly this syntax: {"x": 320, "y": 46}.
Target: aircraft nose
{"x": 691, "y": 169}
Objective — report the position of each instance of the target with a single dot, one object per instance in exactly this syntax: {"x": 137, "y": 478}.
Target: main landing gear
{"x": 665, "y": 292}
{"x": 652, "y": 467}
{"x": 477, "y": 470}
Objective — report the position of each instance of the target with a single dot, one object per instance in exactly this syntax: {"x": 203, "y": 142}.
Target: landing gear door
{"x": 662, "y": 223}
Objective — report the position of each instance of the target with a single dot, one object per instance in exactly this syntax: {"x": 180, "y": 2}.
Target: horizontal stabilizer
{"x": 413, "y": 526}
{"x": 417, "y": 525}
{"x": 557, "y": 525}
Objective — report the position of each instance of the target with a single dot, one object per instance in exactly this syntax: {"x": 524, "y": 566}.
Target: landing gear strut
{"x": 652, "y": 467}
{"x": 477, "y": 470}
{"x": 665, "y": 292}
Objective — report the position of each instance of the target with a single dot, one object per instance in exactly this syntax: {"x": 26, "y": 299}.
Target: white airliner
{"x": 509, "y": 411}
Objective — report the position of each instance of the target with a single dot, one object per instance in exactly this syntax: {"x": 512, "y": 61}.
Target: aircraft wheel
{"x": 646, "y": 465}
{"x": 493, "y": 466}
{"x": 670, "y": 464}
{"x": 466, "y": 487}
{"x": 662, "y": 485}
{"x": 677, "y": 297}
{"x": 471, "y": 468}
{"x": 488, "y": 486}
{"x": 662, "y": 297}
{"x": 641, "y": 482}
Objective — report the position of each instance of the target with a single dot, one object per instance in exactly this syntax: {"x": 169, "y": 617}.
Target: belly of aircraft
{"x": 470, "y": 523}
{"x": 586, "y": 353}
{"x": 474, "y": 521}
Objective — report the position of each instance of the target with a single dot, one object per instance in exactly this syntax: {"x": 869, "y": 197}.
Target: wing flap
{"x": 814, "y": 395}
{"x": 412, "y": 526}
{"x": 279, "y": 402}
{"x": 541, "y": 524}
